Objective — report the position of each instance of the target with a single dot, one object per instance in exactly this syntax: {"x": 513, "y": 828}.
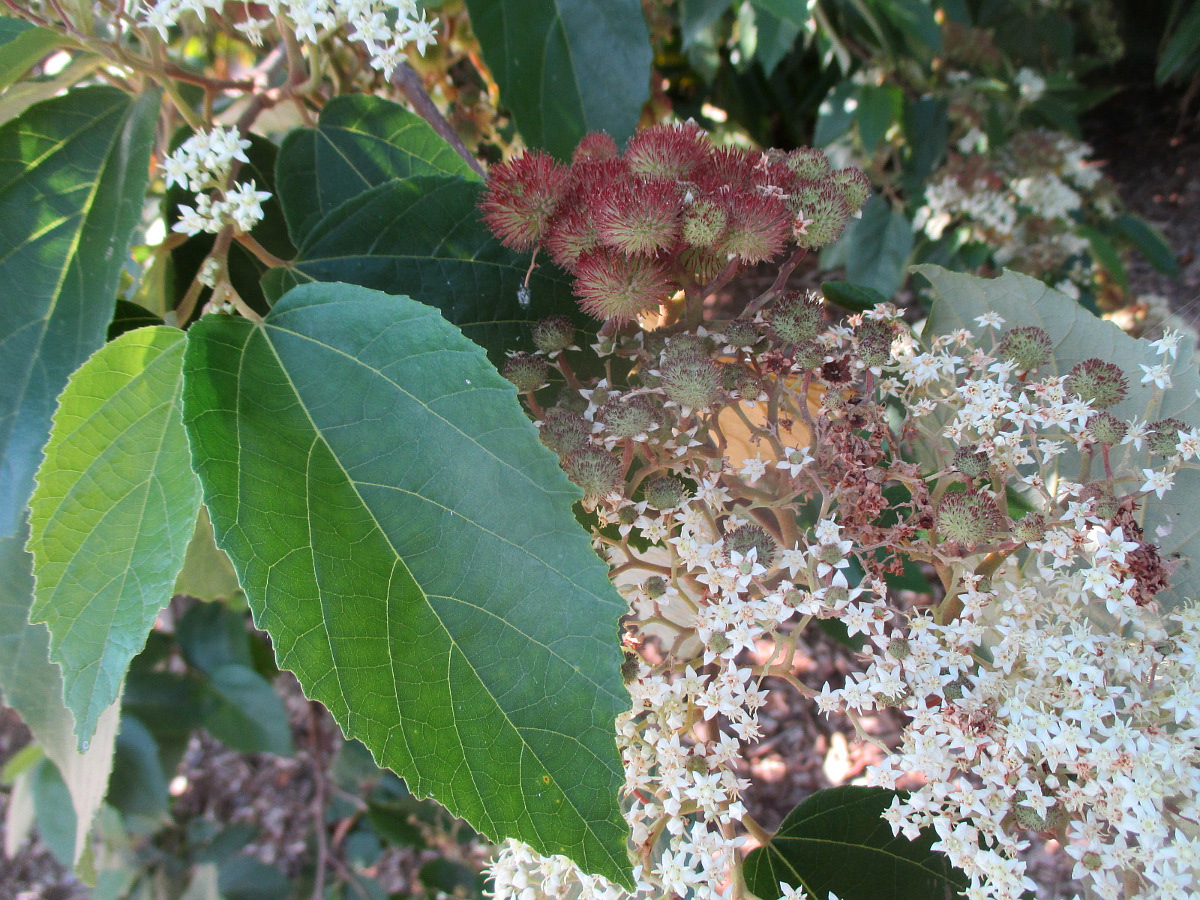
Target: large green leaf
{"x": 1173, "y": 522}
{"x": 567, "y": 67}
{"x": 73, "y": 173}
{"x": 32, "y": 685}
{"x": 874, "y": 249}
{"x": 835, "y": 841}
{"x": 359, "y": 143}
{"x": 423, "y": 237}
{"x": 21, "y": 45}
{"x": 112, "y": 514}
{"x": 409, "y": 545}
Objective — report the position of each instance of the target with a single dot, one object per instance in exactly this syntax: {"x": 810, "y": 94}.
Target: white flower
{"x": 1158, "y": 482}
{"x": 1159, "y": 374}
{"x": 989, "y": 320}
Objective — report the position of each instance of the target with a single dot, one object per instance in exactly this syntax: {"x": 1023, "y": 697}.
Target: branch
{"x": 410, "y": 85}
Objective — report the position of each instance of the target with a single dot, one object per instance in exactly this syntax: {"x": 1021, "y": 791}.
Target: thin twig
{"x": 413, "y": 89}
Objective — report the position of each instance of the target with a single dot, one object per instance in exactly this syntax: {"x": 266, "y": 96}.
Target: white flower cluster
{"x": 204, "y": 161}
{"x": 384, "y": 27}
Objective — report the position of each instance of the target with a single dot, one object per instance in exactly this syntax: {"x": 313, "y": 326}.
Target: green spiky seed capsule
{"x": 741, "y": 333}
{"x": 526, "y": 371}
{"x": 968, "y": 518}
{"x": 564, "y": 431}
{"x": 796, "y": 318}
{"x": 1028, "y": 346}
{"x": 971, "y": 462}
{"x": 899, "y": 648}
{"x": 692, "y": 381}
{"x": 703, "y": 223}
{"x": 1164, "y": 436}
{"x": 630, "y": 416}
{"x": 1101, "y": 382}
{"x": 745, "y": 537}
{"x": 595, "y": 470}
{"x": 665, "y": 492}
{"x": 655, "y": 586}
{"x": 809, "y": 355}
{"x": 631, "y": 665}
{"x": 554, "y": 334}
{"x": 1106, "y": 428}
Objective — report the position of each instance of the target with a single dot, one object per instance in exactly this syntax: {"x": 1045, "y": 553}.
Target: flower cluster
{"x": 670, "y": 214}
{"x": 203, "y": 162}
{"x": 743, "y": 480}
{"x": 385, "y": 28}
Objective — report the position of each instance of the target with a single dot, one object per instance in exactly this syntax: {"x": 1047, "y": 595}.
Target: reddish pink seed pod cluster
{"x": 673, "y": 211}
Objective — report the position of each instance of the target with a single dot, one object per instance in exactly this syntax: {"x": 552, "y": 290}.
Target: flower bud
{"x": 968, "y": 518}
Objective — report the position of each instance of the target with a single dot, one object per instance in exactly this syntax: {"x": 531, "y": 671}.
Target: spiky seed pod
{"x": 686, "y": 345}
{"x": 759, "y": 226}
{"x": 595, "y": 470}
{"x": 564, "y": 431}
{"x": 1101, "y": 382}
{"x": 740, "y": 333}
{"x": 954, "y": 690}
{"x": 665, "y": 492}
{"x": 1027, "y": 817}
{"x": 736, "y": 377}
{"x": 809, "y": 163}
{"x": 553, "y": 334}
{"x": 521, "y": 198}
{"x": 809, "y": 355}
{"x": 655, "y": 586}
{"x": 744, "y": 537}
{"x": 1164, "y": 436}
{"x": 855, "y": 185}
{"x": 796, "y": 318}
{"x": 704, "y": 222}
{"x": 631, "y": 665}
{"x": 1105, "y": 505}
{"x": 692, "y": 381}
{"x": 835, "y": 399}
{"x": 526, "y": 371}
{"x": 1031, "y": 527}
{"x": 875, "y": 351}
{"x": 572, "y": 236}
{"x": 595, "y": 145}
{"x": 729, "y": 168}
{"x": 1027, "y": 345}
{"x": 703, "y": 265}
{"x": 641, "y": 218}
{"x": 630, "y": 416}
{"x": 667, "y": 151}
{"x": 899, "y": 648}
{"x": 1105, "y": 428}
{"x": 968, "y": 518}
{"x": 822, "y": 221}
{"x": 619, "y": 288}
{"x": 971, "y": 461}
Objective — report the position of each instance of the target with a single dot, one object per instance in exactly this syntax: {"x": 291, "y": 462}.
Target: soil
{"x": 1154, "y": 156}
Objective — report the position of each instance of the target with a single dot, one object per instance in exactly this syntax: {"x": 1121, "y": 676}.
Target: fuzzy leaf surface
{"x": 408, "y": 543}
{"x": 112, "y": 514}
{"x": 1172, "y": 522}
{"x": 32, "y": 685}
{"x": 423, "y": 237}
{"x": 73, "y": 174}
{"x": 835, "y": 841}
{"x": 567, "y": 67}
{"x": 359, "y": 143}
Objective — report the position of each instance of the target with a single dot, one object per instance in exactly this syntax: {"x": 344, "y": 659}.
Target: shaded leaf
{"x": 1149, "y": 241}
{"x": 207, "y": 572}
{"x": 73, "y": 173}
{"x": 246, "y": 713}
{"x": 423, "y": 237}
{"x": 567, "y": 67}
{"x": 245, "y": 878}
{"x": 836, "y": 841}
{"x": 874, "y": 249}
{"x": 22, "y": 44}
{"x": 32, "y": 685}
{"x": 212, "y": 635}
{"x": 138, "y": 787}
{"x": 1173, "y": 522}
{"x": 1181, "y": 56}
{"x": 359, "y": 143}
{"x": 853, "y": 297}
{"x": 128, "y": 317}
{"x": 408, "y": 544}
{"x": 112, "y": 513}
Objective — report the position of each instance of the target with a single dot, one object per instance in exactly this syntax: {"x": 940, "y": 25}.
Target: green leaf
{"x": 73, "y": 172}
{"x": 874, "y": 249}
{"x": 22, "y": 45}
{"x": 138, "y": 787}
{"x": 835, "y": 841}
{"x": 423, "y": 237}
{"x": 408, "y": 543}
{"x": 32, "y": 685}
{"x": 246, "y": 713}
{"x": 245, "y": 878}
{"x": 835, "y": 115}
{"x": 1105, "y": 254}
{"x": 359, "y": 143}
{"x": 926, "y": 133}
{"x": 1149, "y": 241}
{"x": 212, "y": 635}
{"x": 207, "y": 572}
{"x": 879, "y": 107}
{"x": 129, "y": 316}
{"x": 112, "y": 513}
{"x": 774, "y": 39}
{"x": 915, "y": 20}
{"x": 786, "y": 10}
{"x": 1173, "y": 522}
{"x": 1181, "y": 56}
{"x": 853, "y": 297}
{"x": 566, "y": 67}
